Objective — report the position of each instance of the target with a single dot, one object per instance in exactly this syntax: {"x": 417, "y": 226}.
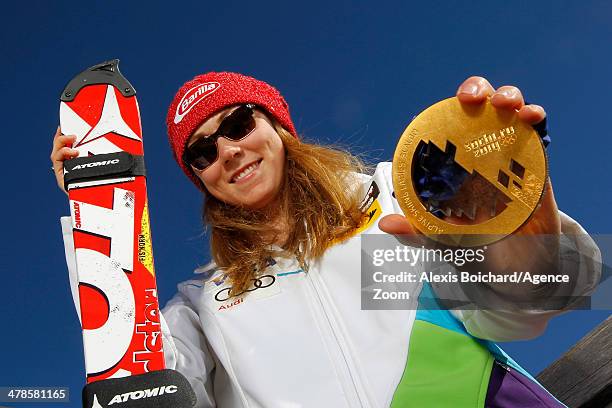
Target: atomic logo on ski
{"x": 94, "y": 164}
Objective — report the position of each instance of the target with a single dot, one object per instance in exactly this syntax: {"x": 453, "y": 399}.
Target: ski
{"x": 107, "y": 191}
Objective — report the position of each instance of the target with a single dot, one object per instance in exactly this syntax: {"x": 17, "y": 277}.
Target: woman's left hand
{"x": 544, "y": 221}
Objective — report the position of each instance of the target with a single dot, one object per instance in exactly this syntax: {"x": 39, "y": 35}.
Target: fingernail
{"x": 508, "y": 93}
{"x": 469, "y": 89}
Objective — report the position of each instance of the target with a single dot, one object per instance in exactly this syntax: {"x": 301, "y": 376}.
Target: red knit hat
{"x": 205, "y": 95}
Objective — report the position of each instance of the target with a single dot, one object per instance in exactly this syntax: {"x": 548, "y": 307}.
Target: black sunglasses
{"x": 236, "y": 126}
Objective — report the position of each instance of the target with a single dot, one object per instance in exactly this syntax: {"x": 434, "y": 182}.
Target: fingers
{"x": 507, "y": 97}
{"x": 474, "y": 90}
{"x": 64, "y": 153}
{"x": 61, "y": 152}
{"x": 399, "y": 226}
{"x": 510, "y": 97}
{"x": 532, "y": 114}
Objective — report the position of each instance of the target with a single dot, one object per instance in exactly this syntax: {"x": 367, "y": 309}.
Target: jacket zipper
{"x": 337, "y": 335}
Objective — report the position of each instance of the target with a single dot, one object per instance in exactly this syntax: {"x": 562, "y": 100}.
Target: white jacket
{"x": 300, "y": 339}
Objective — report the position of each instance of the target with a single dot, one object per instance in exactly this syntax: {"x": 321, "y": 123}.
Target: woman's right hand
{"x": 62, "y": 151}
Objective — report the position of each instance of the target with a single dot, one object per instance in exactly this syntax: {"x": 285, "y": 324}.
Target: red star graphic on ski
{"x": 110, "y": 121}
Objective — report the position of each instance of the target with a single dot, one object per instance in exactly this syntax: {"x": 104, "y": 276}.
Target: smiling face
{"x": 248, "y": 172}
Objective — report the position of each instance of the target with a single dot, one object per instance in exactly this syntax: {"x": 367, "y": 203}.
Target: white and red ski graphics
{"x": 117, "y": 290}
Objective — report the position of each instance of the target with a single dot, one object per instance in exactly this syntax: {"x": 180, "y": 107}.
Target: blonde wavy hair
{"x": 318, "y": 199}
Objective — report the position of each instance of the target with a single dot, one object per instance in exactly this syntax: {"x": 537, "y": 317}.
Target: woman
{"x": 276, "y": 320}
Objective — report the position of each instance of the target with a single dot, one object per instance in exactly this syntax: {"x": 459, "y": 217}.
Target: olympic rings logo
{"x": 260, "y": 282}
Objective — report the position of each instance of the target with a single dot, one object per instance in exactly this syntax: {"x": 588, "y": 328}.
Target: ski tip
{"x": 110, "y": 66}
{"x": 106, "y": 72}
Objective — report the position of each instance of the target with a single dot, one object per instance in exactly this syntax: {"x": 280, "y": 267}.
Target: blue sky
{"x": 352, "y": 73}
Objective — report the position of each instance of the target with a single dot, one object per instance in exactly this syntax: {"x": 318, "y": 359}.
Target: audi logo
{"x": 258, "y": 283}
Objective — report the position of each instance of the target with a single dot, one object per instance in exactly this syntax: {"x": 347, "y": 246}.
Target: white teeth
{"x": 246, "y": 171}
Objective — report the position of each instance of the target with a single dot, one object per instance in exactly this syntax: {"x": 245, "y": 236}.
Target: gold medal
{"x": 468, "y": 175}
